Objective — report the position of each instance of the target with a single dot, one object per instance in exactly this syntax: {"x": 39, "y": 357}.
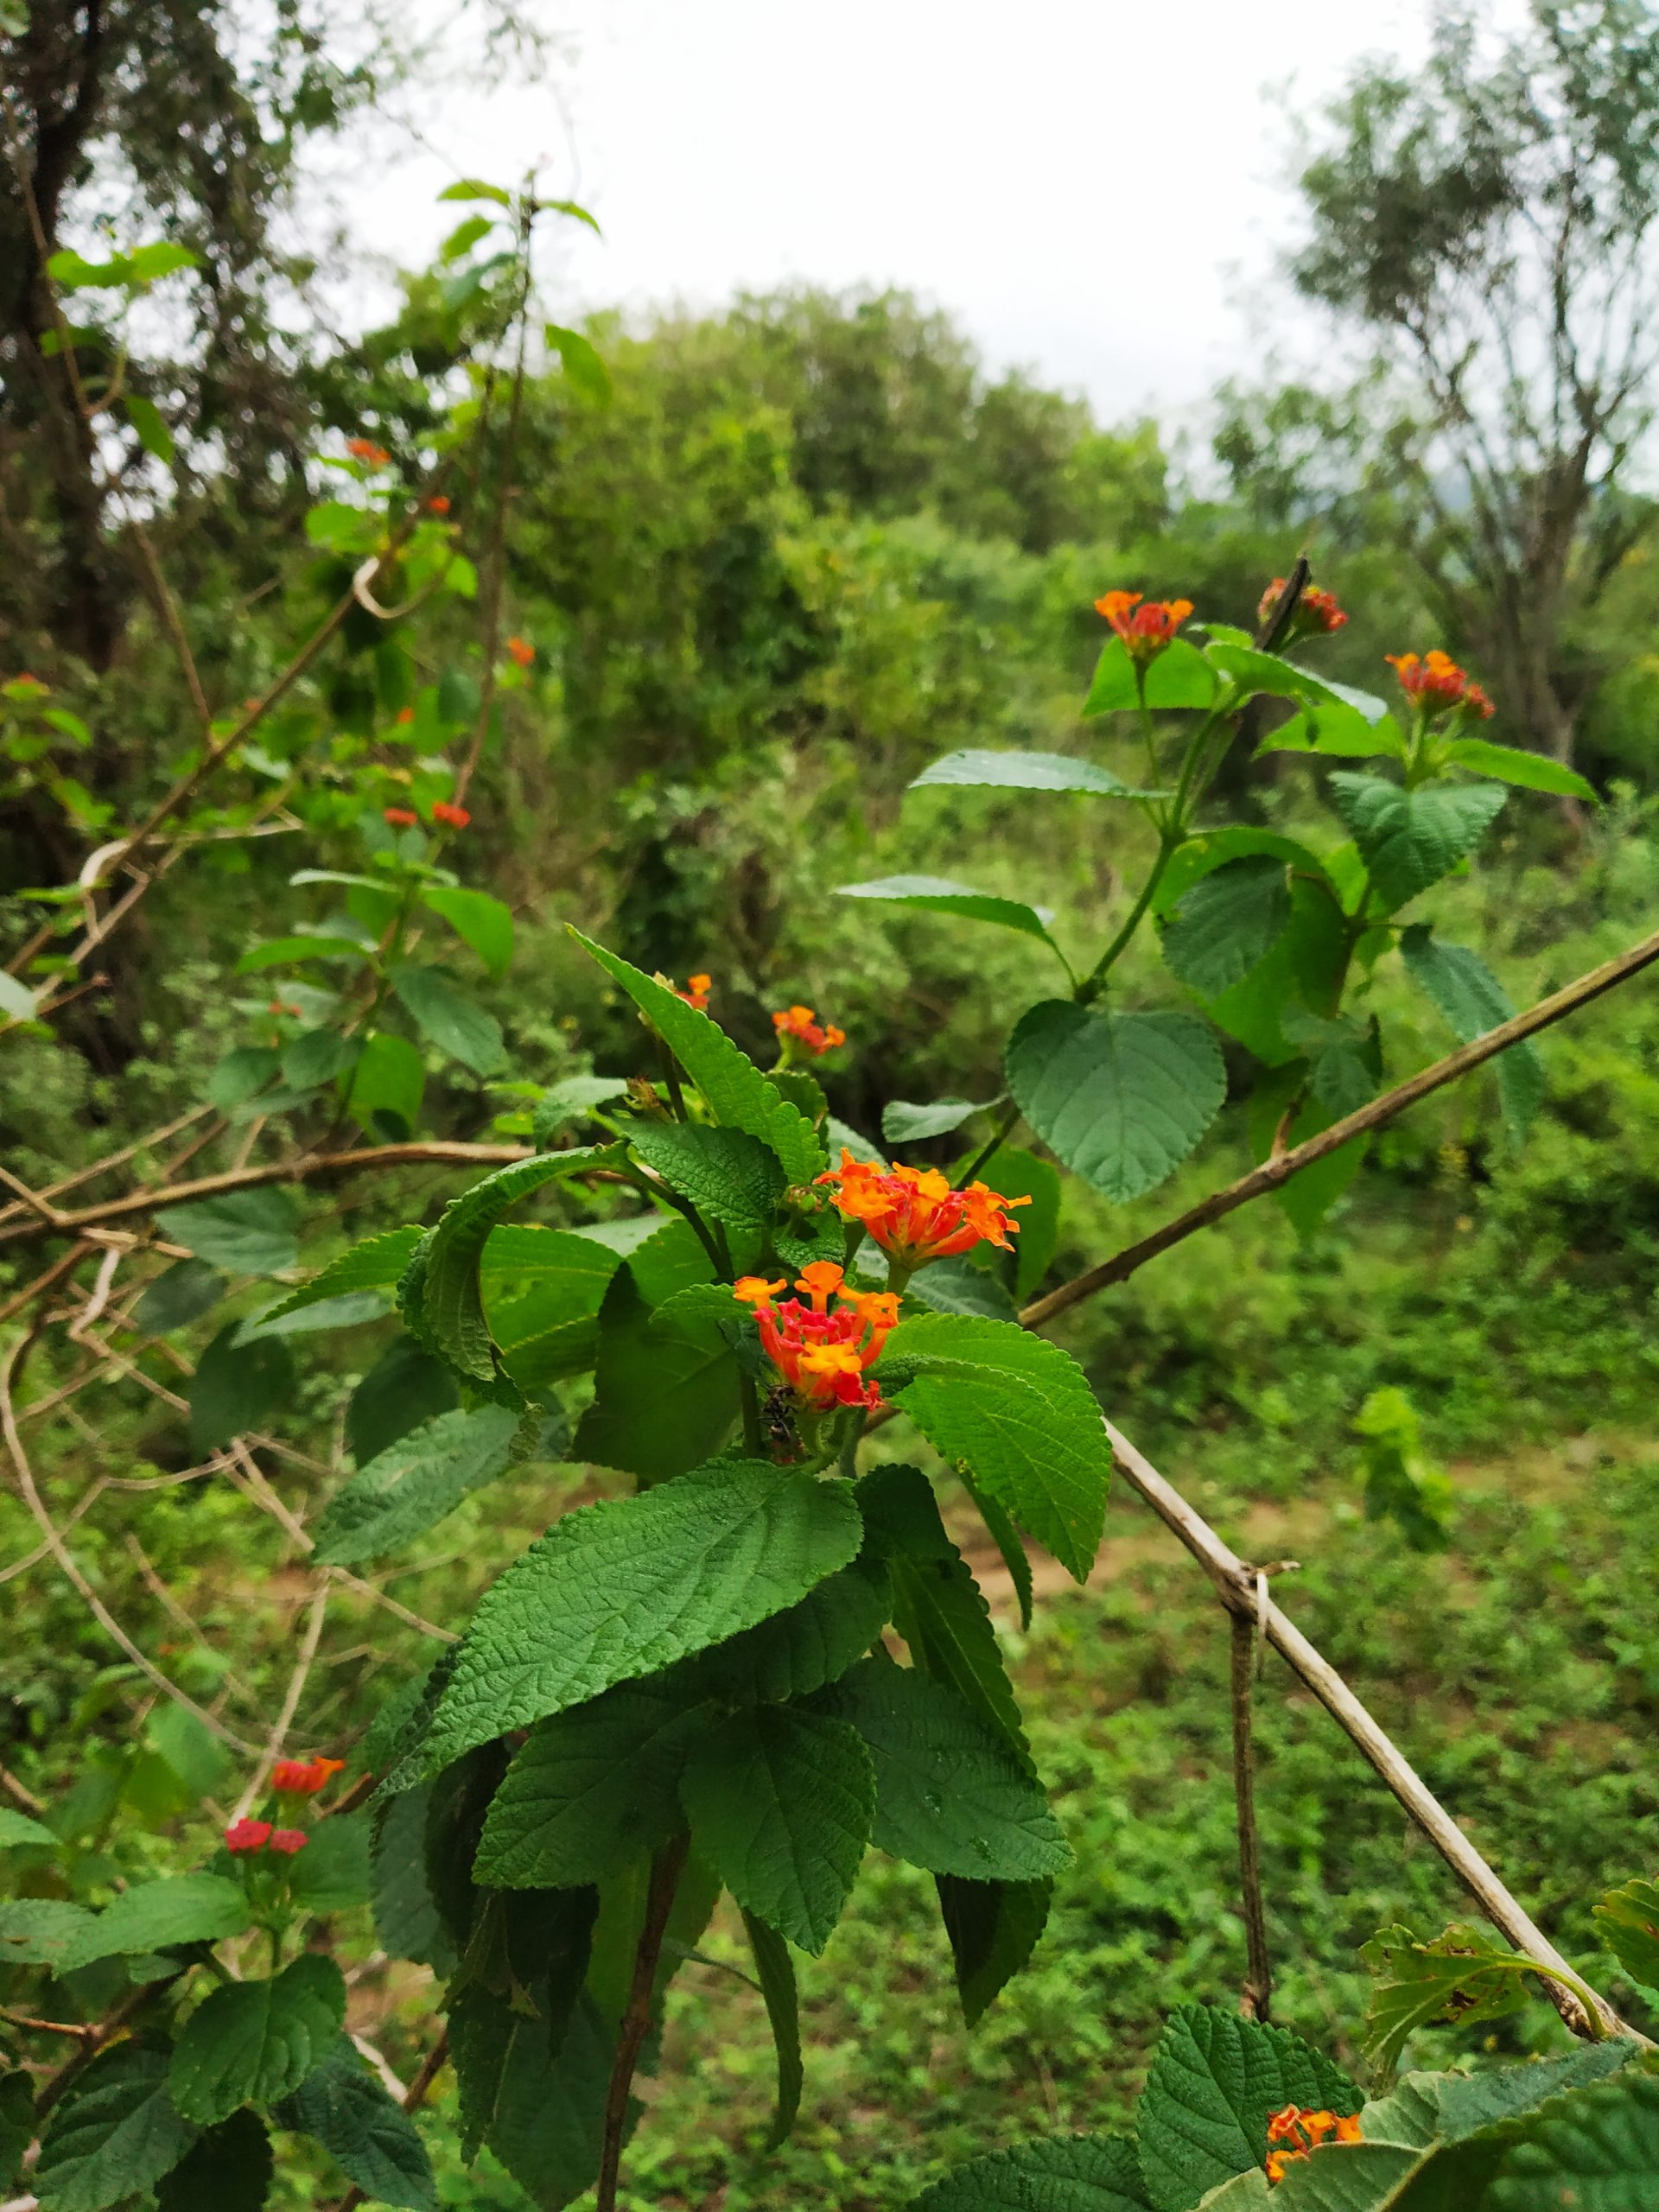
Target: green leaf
{"x": 472, "y": 187}
{"x": 1228, "y": 923}
{"x": 582, "y": 365}
{"x": 1627, "y": 1920}
{"x": 617, "y": 1589}
{"x": 775, "y": 1971}
{"x": 161, "y": 259}
{"x": 18, "y": 1832}
{"x": 448, "y": 1018}
{"x": 1336, "y": 729}
{"x": 1178, "y": 676}
{"x": 798, "y": 1651}
{"x": 1345, "y": 2178}
{"x": 1535, "y": 771}
{"x": 958, "y": 1287}
{"x": 665, "y": 1386}
{"x": 16, "y": 2122}
{"x": 404, "y": 1388}
{"x": 540, "y": 2096}
{"x": 1256, "y": 673}
{"x": 39, "y": 1931}
{"x": 249, "y": 1232}
{"x": 480, "y": 920}
{"x": 1019, "y": 1412}
{"x": 252, "y": 2042}
{"x": 780, "y": 1801}
{"x": 410, "y": 1487}
{"x": 376, "y": 1264}
{"x": 289, "y": 952}
{"x": 951, "y": 1794}
{"x": 452, "y": 1302}
{"x": 939, "y": 895}
{"x": 1465, "y": 1974}
{"x": 1426, "y": 2108}
{"x": 465, "y": 236}
{"x": 406, "y": 1919}
{"x": 542, "y": 1290}
{"x": 237, "y": 1387}
{"x": 728, "y": 1176}
{"x": 1464, "y": 989}
{"x": 188, "y": 1289}
{"x": 1215, "y": 2080}
{"x": 230, "y": 2169}
{"x": 1121, "y": 1098}
{"x": 1025, "y": 772}
{"x": 317, "y": 1056}
{"x": 147, "y": 420}
{"x": 1008, "y": 1542}
{"x": 1597, "y": 2151}
{"x": 240, "y": 1074}
{"x": 738, "y": 1094}
{"x": 1411, "y": 839}
{"x": 331, "y": 1873}
{"x": 387, "y": 1087}
{"x": 114, "y": 2136}
{"x": 905, "y": 1123}
{"x": 591, "y": 1787}
{"x": 155, "y": 1916}
{"x": 1018, "y": 1173}
{"x": 351, "y": 1311}
{"x": 1056, "y": 2173}
{"x": 993, "y": 1928}
{"x": 342, "y": 2105}
{"x": 574, "y": 1100}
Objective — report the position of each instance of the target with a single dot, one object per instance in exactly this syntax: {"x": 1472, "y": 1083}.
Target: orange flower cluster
{"x": 438, "y": 504}
{"x": 800, "y": 1024}
{"x": 304, "y": 1777}
{"x": 520, "y": 652}
{"x": 242, "y": 1838}
{"x": 913, "y": 1214}
{"x": 823, "y": 1356}
{"x": 1314, "y": 610}
{"x": 1296, "y": 2132}
{"x": 1146, "y": 629}
{"x": 365, "y": 449}
{"x": 453, "y": 818}
{"x": 401, "y": 817}
{"x": 697, "y": 993}
{"x": 1439, "y": 685}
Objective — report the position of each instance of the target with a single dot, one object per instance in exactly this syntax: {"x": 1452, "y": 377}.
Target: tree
{"x": 1490, "y": 222}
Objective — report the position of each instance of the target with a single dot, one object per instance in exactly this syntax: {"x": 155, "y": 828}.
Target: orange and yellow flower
{"x": 438, "y": 504}
{"x": 401, "y": 817}
{"x": 699, "y": 989}
{"x": 1294, "y": 2132}
{"x": 304, "y": 1777}
{"x": 913, "y": 1214}
{"x": 799, "y": 1025}
{"x": 1314, "y": 610}
{"x": 365, "y": 449}
{"x": 822, "y": 1355}
{"x": 520, "y": 652}
{"x": 1436, "y": 683}
{"x": 453, "y": 818}
{"x": 1145, "y": 626}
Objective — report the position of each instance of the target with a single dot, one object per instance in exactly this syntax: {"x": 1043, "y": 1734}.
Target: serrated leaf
{"x": 154, "y": 1916}
{"x": 543, "y": 1289}
{"x": 249, "y": 1232}
{"x": 1463, "y": 988}
{"x": 114, "y": 2136}
{"x": 798, "y": 1651}
{"x": 1178, "y": 676}
{"x": 775, "y": 1971}
{"x": 331, "y": 1873}
{"x": 780, "y": 1801}
{"x": 665, "y": 1386}
{"x": 406, "y": 1920}
{"x": 738, "y": 1094}
{"x": 729, "y": 1176}
{"x": 1008, "y": 1541}
{"x": 1345, "y": 2178}
{"x": 237, "y": 1387}
{"x": 253, "y": 2042}
{"x": 477, "y": 920}
{"x": 592, "y": 1786}
{"x": 230, "y": 2169}
{"x": 1424, "y": 2108}
{"x": 40, "y": 1931}
{"x": 541, "y": 2100}
{"x": 1462, "y": 1975}
{"x": 1409, "y": 840}
{"x": 415, "y": 1484}
{"x": 1627, "y": 1920}
{"x": 405, "y": 1387}
{"x": 1228, "y": 923}
{"x": 617, "y": 1589}
{"x": 1019, "y": 1412}
{"x": 1215, "y": 2080}
{"x": 1025, "y": 772}
{"x": 959, "y": 1287}
{"x": 342, "y": 2106}
{"x": 1597, "y": 2151}
{"x": 992, "y": 1927}
{"x": 1056, "y": 2173}
{"x": 1121, "y": 1098}
{"x": 951, "y": 1794}
{"x": 1533, "y": 771}
{"x": 449, "y": 1018}
{"x": 188, "y": 1289}
{"x": 939, "y": 895}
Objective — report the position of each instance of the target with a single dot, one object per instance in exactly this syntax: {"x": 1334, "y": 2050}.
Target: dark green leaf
{"x": 331, "y": 1873}
{"x": 775, "y": 1971}
{"x": 188, "y": 1289}
{"x": 404, "y": 1388}
{"x": 1122, "y": 1098}
{"x": 1056, "y": 2173}
{"x": 154, "y": 1916}
{"x": 1228, "y": 923}
{"x": 376, "y": 1264}
{"x": 665, "y": 1389}
{"x": 40, "y": 1931}
{"x": 317, "y": 1056}
{"x": 289, "y": 951}
{"x": 1411, "y": 839}
{"x": 1025, "y": 772}
{"x": 959, "y": 1287}
{"x": 342, "y": 2105}
{"x": 114, "y": 2136}
{"x": 236, "y": 1388}
{"x": 1424, "y": 2108}
{"x": 1018, "y": 1173}
{"x": 230, "y": 2169}
{"x": 240, "y": 1074}
{"x": 543, "y": 1289}
{"x": 16, "y": 2123}
{"x": 448, "y": 1018}
{"x": 476, "y": 917}
{"x": 1533, "y": 771}
{"x": 993, "y": 1928}
{"x": 1466, "y": 993}
{"x": 387, "y": 1087}
{"x": 941, "y": 896}
{"x": 617, "y": 1589}
{"x": 780, "y": 1801}
{"x": 249, "y": 1232}
{"x": 406, "y": 1919}
{"x": 352, "y": 1310}
{"x": 540, "y": 2096}
{"x": 252, "y": 2042}
{"x": 1008, "y": 1542}
{"x": 798, "y": 1651}
{"x": 414, "y": 1483}
{"x": 1597, "y": 2151}
{"x": 728, "y": 1175}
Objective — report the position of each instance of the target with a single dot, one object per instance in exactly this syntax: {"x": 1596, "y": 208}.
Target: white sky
{"x": 1093, "y": 189}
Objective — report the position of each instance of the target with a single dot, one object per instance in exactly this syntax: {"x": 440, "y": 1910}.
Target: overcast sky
{"x": 1094, "y": 187}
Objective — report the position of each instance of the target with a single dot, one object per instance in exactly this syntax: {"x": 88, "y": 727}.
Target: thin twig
{"x": 1257, "y": 1994}
{"x": 297, "y": 1682}
{"x": 53, "y": 1275}
{"x": 665, "y": 1870}
{"x": 1274, "y": 1172}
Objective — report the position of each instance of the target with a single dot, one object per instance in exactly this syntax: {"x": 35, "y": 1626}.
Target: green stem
{"x": 999, "y": 1137}
{"x": 1169, "y": 840}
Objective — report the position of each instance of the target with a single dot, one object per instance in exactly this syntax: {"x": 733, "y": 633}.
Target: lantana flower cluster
{"x": 1315, "y": 610}
{"x": 1293, "y": 2133}
{"x": 1436, "y": 683}
{"x": 823, "y": 1352}
{"x": 295, "y": 1780}
{"x": 913, "y": 1213}
{"x": 1146, "y": 626}
{"x": 798, "y": 1026}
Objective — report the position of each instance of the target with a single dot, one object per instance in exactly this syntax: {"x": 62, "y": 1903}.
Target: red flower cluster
{"x": 799, "y": 1025}
{"x": 365, "y": 449}
{"x": 1314, "y": 610}
{"x": 282, "y": 1005}
{"x": 1437, "y": 684}
{"x": 401, "y": 817}
{"x": 438, "y": 504}
{"x": 697, "y": 993}
{"x": 520, "y": 652}
{"x": 453, "y": 818}
{"x": 823, "y": 1356}
{"x": 1297, "y": 2132}
{"x": 31, "y": 685}
{"x": 304, "y": 1777}
{"x": 244, "y": 1838}
{"x": 913, "y": 1214}
{"x": 1146, "y": 629}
